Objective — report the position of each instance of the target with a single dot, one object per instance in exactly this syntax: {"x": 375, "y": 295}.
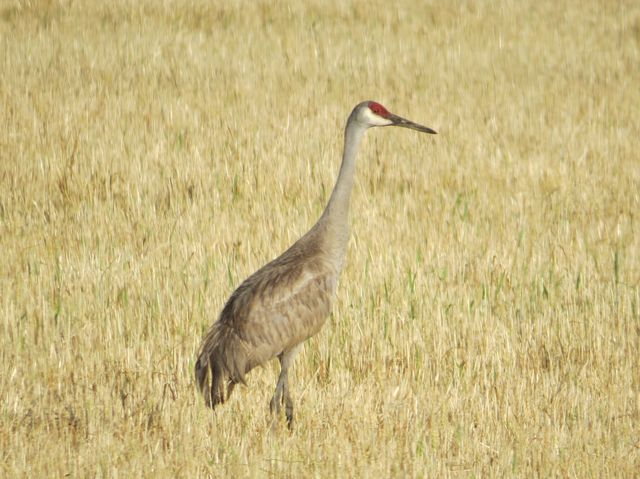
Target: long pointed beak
{"x": 399, "y": 121}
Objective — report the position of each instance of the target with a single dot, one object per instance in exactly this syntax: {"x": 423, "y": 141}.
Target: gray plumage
{"x": 288, "y": 300}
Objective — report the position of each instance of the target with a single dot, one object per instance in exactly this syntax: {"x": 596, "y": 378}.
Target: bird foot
{"x": 288, "y": 411}
{"x": 274, "y": 408}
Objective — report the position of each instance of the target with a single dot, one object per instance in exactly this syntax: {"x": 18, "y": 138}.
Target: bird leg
{"x": 288, "y": 409}
{"x": 282, "y": 394}
{"x": 274, "y": 405}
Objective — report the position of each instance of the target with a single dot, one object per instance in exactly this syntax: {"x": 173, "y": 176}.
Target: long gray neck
{"x": 335, "y": 217}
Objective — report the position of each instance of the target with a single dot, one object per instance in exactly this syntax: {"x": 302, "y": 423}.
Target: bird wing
{"x": 279, "y": 306}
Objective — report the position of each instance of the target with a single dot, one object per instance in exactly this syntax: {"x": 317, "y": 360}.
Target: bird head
{"x": 371, "y": 113}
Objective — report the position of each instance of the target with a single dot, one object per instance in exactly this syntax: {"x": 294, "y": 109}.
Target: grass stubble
{"x": 153, "y": 154}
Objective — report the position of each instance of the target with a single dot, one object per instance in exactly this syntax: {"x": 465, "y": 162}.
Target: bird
{"x": 287, "y": 301}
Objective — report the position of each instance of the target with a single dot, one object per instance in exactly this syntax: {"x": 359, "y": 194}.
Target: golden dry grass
{"x": 153, "y": 154}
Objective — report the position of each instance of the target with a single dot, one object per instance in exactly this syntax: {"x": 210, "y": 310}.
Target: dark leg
{"x": 274, "y": 405}
{"x": 282, "y": 394}
{"x": 288, "y": 403}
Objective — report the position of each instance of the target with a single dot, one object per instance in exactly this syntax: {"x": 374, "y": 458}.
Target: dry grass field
{"x": 155, "y": 153}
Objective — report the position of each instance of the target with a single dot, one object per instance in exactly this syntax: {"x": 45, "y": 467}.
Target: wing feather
{"x": 279, "y": 307}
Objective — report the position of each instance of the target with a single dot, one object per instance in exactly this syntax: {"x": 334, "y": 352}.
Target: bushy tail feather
{"x": 202, "y": 374}
{"x": 223, "y": 354}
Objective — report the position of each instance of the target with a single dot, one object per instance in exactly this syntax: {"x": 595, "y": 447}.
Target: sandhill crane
{"x": 288, "y": 300}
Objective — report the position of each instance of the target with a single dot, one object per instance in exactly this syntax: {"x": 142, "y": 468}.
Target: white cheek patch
{"x": 372, "y": 119}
